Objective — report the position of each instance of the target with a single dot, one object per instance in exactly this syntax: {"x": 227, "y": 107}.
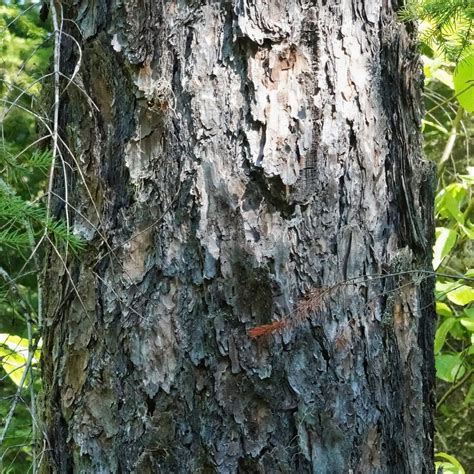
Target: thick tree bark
{"x": 246, "y": 158}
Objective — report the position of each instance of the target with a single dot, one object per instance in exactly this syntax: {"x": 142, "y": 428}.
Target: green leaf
{"x": 469, "y": 312}
{"x": 458, "y": 331}
{"x": 453, "y": 207}
{"x": 462, "y": 295}
{"x": 467, "y": 231}
{"x": 449, "y": 367}
{"x": 467, "y": 179}
{"x": 13, "y": 364}
{"x": 449, "y": 201}
{"x": 443, "y": 309}
{"x": 445, "y": 241}
{"x": 470, "y": 273}
{"x": 468, "y": 320}
{"x": 446, "y": 468}
{"x": 469, "y": 395}
{"x": 13, "y": 342}
{"x": 443, "y": 289}
{"x": 19, "y": 345}
{"x": 468, "y": 323}
{"x": 443, "y": 76}
{"x": 453, "y": 461}
{"x": 463, "y": 79}
{"x": 441, "y": 333}
{"x": 433, "y": 68}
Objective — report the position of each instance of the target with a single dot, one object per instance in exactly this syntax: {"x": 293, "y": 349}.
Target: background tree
{"x": 240, "y": 168}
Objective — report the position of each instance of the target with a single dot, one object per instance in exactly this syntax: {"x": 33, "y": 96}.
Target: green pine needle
{"x": 452, "y": 25}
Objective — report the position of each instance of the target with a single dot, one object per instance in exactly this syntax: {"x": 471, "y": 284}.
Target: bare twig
{"x": 451, "y": 140}
{"x": 55, "y": 131}
{"x": 454, "y": 387}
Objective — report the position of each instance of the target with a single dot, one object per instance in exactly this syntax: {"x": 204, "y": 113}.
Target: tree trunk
{"x": 241, "y": 164}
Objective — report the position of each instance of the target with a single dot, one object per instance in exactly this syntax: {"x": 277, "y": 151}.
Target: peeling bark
{"x": 244, "y": 154}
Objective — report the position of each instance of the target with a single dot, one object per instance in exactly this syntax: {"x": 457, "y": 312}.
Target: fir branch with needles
{"x": 448, "y": 25}
{"x": 18, "y": 213}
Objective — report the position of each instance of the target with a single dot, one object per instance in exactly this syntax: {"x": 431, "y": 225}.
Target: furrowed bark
{"x": 244, "y": 154}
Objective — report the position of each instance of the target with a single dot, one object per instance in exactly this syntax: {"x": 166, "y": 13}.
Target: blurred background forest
{"x": 26, "y": 77}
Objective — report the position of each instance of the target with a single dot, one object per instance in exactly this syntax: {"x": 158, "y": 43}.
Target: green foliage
{"x": 22, "y": 35}
{"x": 23, "y": 221}
{"x": 463, "y": 82}
{"x": 25, "y": 225}
{"x": 446, "y": 26}
{"x": 449, "y": 465}
{"x": 14, "y": 358}
{"x": 447, "y": 33}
